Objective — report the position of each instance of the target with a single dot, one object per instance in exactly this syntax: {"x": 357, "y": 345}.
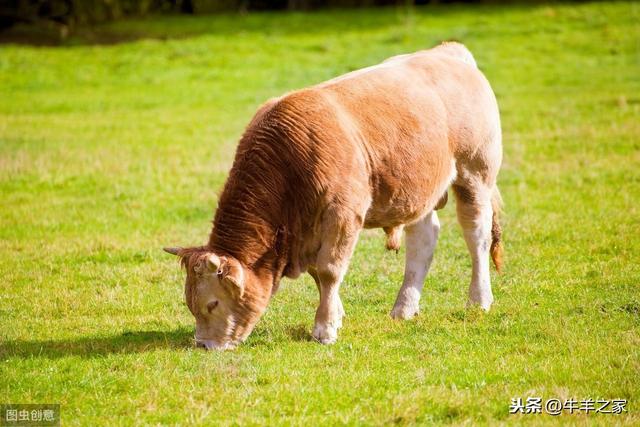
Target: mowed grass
{"x": 110, "y": 152}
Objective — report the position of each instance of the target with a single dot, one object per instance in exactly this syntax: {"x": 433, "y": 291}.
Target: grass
{"x": 109, "y": 152}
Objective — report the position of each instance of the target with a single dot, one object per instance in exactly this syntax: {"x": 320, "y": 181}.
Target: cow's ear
{"x": 213, "y": 262}
{"x": 232, "y": 275}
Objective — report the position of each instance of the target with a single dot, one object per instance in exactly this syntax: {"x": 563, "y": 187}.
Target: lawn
{"x": 108, "y": 152}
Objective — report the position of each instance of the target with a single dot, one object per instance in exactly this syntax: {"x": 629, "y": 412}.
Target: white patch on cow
{"x": 325, "y": 333}
{"x": 421, "y": 240}
{"x": 325, "y": 329}
{"x": 478, "y": 239}
{"x": 453, "y": 174}
{"x": 389, "y": 63}
{"x": 458, "y": 51}
{"x": 468, "y": 58}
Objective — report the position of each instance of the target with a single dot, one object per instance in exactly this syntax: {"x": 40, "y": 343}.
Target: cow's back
{"x": 391, "y": 133}
{"x": 412, "y": 117}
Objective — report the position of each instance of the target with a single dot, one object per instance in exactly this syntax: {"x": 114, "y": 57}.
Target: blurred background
{"x": 53, "y": 21}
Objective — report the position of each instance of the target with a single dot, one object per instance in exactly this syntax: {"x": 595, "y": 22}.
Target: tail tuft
{"x": 496, "y": 230}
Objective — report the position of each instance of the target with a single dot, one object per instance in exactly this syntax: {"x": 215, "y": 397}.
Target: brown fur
{"x": 374, "y": 148}
{"x": 394, "y": 237}
{"x": 292, "y": 159}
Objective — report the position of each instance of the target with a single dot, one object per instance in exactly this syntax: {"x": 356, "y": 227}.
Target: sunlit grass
{"x": 109, "y": 152}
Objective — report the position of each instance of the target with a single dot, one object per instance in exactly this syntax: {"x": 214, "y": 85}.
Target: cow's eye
{"x": 211, "y": 306}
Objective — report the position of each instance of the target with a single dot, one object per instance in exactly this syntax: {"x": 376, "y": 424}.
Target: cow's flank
{"x": 376, "y": 148}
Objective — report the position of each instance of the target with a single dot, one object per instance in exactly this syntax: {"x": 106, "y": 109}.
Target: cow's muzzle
{"x": 212, "y": 345}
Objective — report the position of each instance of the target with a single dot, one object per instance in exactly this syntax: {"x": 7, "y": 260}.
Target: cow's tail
{"x": 496, "y": 229}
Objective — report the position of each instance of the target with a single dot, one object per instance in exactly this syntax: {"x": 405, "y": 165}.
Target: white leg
{"x": 474, "y": 214}
{"x": 328, "y": 316}
{"x": 314, "y": 274}
{"x": 421, "y": 242}
{"x": 479, "y": 241}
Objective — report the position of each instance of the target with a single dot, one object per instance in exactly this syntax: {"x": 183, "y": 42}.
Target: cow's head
{"x": 222, "y": 295}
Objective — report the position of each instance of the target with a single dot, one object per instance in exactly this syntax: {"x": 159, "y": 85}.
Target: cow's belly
{"x": 406, "y": 197}
{"x": 402, "y": 208}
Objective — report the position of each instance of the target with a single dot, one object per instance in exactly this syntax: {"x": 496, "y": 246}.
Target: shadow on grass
{"x": 299, "y": 333}
{"x": 96, "y": 346}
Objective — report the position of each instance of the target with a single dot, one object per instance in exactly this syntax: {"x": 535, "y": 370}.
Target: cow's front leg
{"x": 314, "y": 273}
{"x": 328, "y": 316}
{"x": 332, "y": 263}
{"x": 421, "y": 238}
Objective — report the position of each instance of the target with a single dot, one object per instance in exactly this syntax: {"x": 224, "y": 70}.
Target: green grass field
{"x": 110, "y": 152}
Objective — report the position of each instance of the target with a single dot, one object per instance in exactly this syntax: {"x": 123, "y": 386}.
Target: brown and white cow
{"x": 378, "y": 147}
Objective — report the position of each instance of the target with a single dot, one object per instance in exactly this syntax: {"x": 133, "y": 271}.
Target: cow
{"x": 374, "y": 148}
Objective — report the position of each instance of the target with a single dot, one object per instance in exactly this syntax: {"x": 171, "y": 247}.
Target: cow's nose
{"x": 206, "y": 344}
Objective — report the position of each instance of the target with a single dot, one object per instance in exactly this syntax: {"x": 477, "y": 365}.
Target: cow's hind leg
{"x": 421, "y": 239}
{"x": 473, "y": 205}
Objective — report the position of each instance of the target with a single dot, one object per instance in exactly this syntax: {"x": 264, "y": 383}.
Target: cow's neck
{"x": 250, "y": 222}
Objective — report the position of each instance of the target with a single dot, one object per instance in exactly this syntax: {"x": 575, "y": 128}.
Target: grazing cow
{"x": 378, "y": 147}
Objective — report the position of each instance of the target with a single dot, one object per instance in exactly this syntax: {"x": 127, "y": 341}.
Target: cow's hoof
{"x": 479, "y": 299}
{"x": 404, "y": 312}
{"x": 485, "y": 305}
{"x": 325, "y": 334}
